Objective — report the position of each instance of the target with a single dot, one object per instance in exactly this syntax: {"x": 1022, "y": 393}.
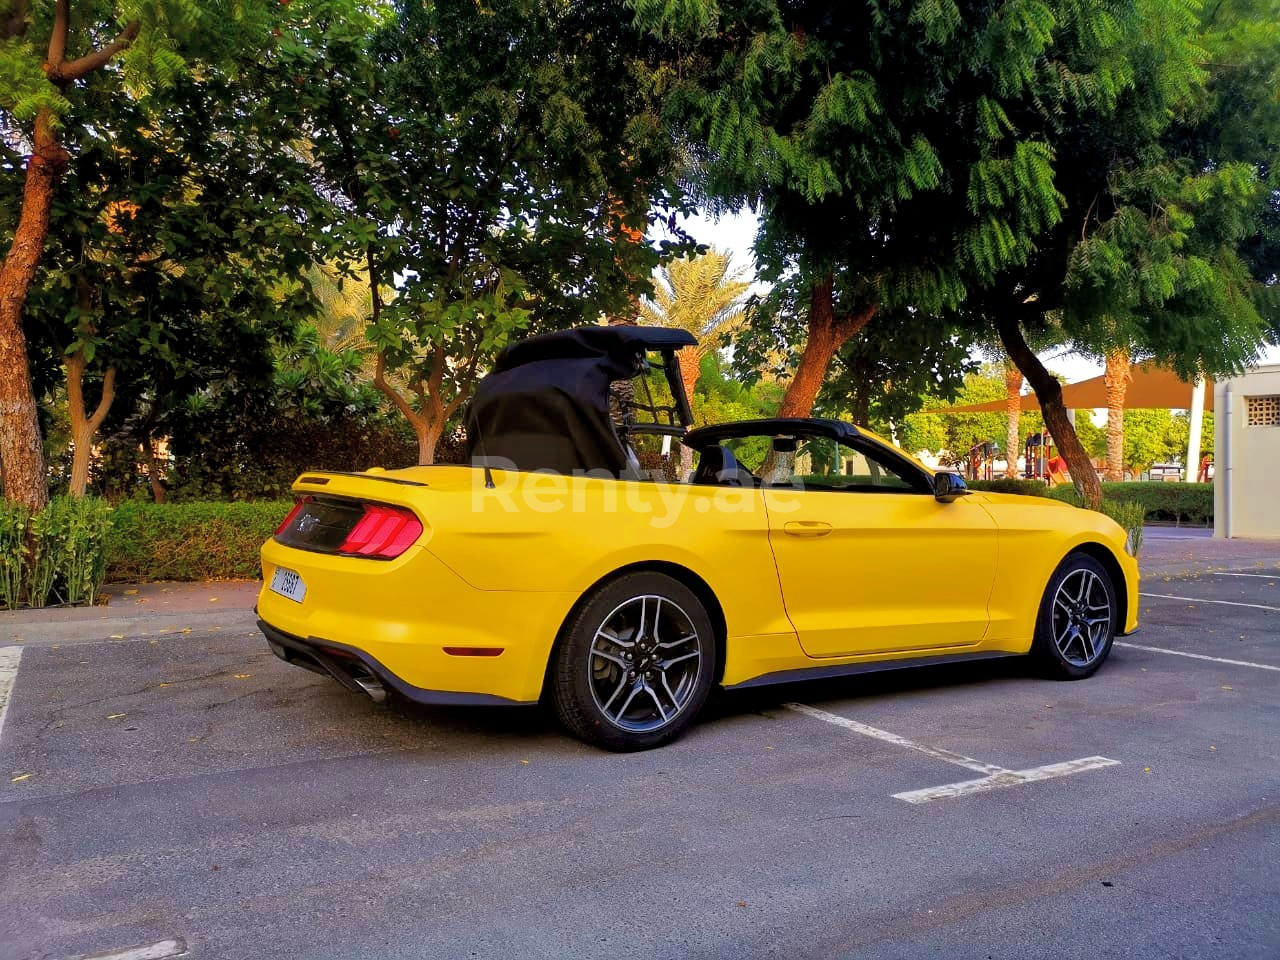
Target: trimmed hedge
{"x": 1030, "y": 488}
{"x": 1168, "y": 502}
{"x": 1190, "y": 503}
{"x": 190, "y": 541}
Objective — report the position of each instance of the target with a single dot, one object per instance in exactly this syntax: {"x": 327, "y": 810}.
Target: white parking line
{"x": 996, "y": 778}
{"x": 885, "y": 735}
{"x": 1225, "y": 603}
{"x": 9, "y": 657}
{"x": 1196, "y": 656}
{"x": 1263, "y": 576}
{"x": 151, "y": 951}
{"x": 1007, "y": 778}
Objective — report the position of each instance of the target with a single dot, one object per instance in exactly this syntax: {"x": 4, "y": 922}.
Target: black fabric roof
{"x": 623, "y": 342}
{"x": 545, "y": 406}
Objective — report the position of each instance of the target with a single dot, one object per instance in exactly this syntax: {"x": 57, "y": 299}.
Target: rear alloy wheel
{"x": 1078, "y": 618}
{"x": 635, "y": 664}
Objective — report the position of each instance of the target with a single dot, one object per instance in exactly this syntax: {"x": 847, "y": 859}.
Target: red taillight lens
{"x": 382, "y": 532}
{"x": 284, "y": 524}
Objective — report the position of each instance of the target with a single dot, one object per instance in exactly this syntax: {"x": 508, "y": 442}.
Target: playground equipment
{"x": 980, "y": 459}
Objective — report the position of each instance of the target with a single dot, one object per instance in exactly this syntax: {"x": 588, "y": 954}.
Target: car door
{"x": 869, "y": 561}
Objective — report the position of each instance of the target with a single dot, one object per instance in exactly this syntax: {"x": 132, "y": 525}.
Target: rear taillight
{"x": 382, "y": 532}
{"x": 297, "y": 508}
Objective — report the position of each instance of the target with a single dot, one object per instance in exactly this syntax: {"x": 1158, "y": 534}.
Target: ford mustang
{"x": 550, "y": 568}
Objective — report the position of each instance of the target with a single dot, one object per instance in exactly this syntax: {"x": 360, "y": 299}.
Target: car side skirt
{"x": 309, "y": 654}
{"x": 872, "y": 666}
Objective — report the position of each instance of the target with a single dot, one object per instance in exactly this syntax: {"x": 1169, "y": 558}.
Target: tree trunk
{"x": 21, "y": 452}
{"x": 1049, "y": 393}
{"x": 83, "y": 425}
{"x": 827, "y": 334}
{"x": 1116, "y": 380}
{"x": 156, "y": 471}
{"x": 1013, "y": 400}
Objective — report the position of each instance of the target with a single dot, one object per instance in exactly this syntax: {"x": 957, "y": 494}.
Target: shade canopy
{"x": 1150, "y": 387}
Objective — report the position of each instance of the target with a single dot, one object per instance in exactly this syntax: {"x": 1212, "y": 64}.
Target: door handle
{"x": 806, "y": 528}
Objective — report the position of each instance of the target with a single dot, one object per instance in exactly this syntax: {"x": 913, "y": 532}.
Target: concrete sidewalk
{"x": 146, "y": 610}
{"x": 138, "y": 610}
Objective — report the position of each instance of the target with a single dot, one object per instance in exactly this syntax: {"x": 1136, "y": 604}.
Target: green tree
{"x": 879, "y": 144}
{"x": 487, "y": 158}
{"x": 45, "y": 50}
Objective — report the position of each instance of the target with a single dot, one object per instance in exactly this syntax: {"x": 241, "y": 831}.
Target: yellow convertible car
{"x": 551, "y": 568}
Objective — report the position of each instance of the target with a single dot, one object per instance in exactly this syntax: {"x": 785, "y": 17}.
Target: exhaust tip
{"x": 372, "y": 686}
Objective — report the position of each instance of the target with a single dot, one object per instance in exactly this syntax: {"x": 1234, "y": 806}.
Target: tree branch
{"x": 104, "y": 403}
{"x": 66, "y": 72}
{"x": 58, "y": 38}
{"x": 391, "y": 393}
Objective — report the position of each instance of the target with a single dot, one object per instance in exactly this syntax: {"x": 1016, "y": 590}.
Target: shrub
{"x": 57, "y": 556}
{"x": 1129, "y": 515}
{"x": 13, "y": 553}
{"x": 1030, "y": 488}
{"x": 1169, "y": 502}
{"x": 190, "y": 541}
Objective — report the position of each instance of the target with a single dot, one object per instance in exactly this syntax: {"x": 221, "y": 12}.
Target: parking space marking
{"x": 150, "y": 951}
{"x": 1197, "y": 656}
{"x": 887, "y": 737}
{"x": 996, "y": 777}
{"x": 1006, "y": 778}
{"x": 1262, "y": 576}
{"x": 1225, "y": 603}
{"x": 9, "y": 657}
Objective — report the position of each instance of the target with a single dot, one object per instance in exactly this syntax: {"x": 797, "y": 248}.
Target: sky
{"x": 734, "y": 234}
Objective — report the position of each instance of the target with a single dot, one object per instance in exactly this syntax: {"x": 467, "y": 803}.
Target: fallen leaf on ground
{"x": 1146, "y": 769}
{"x": 20, "y": 777}
{"x": 1225, "y": 687}
{"x": 185, "y": 630}
{"x": 131, "y": 593}
{"x": 1212, "y": 747}
{"x": 213, "y": 599}
{"x": 243, "y": 676}
{"x": 117, "y": 636}
{"x": 525, "y": 762}
{"x": 115, "y": 716}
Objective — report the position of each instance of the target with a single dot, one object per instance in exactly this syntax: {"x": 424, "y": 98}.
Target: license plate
{"x": 289, "y": 584}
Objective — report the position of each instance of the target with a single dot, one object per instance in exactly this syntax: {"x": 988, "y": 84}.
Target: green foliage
{"x": 1154, "y": 436}
{"x": 69, "y": 537}
{"x": 1130, "y": 515}
{"x": 1190, "y": 503}
{"x": 14, "y": 518}
{"x": 190, "y": 541}
{"x": 962, "y": 430}
{"x": 57, "y": 556}
{"x": 1028, "y": 488}
{"x": 228, "y": 455}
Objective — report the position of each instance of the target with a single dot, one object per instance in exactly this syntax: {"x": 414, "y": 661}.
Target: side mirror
{"x": 948, "y": 486}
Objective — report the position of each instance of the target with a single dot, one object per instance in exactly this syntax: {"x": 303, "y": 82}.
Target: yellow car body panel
{"x": 899, "y": 576}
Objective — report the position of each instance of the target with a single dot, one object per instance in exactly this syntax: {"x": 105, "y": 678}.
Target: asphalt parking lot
{"x": 187, "y": 791}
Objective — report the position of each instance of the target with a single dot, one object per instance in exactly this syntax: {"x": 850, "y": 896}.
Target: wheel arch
{"x": 1111, "y": 564}
{"x": 701, "y": 589}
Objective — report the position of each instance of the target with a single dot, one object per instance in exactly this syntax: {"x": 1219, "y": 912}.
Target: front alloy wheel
{"x": 635, "y": 663}
{"x": 1078, "y": 618}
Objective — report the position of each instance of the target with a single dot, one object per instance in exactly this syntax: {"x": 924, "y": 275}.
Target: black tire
{"x": 1070, "y": 642}
{"x": 604, "y": 658}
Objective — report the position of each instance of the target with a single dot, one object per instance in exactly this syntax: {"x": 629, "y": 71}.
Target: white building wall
{"x": 1247, "y": 454}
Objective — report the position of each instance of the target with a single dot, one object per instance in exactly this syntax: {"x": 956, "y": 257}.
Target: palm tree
{"x": 705, "y": 296}
{"x": 1013, "y": 402}
{"x": 1116, "y": 379}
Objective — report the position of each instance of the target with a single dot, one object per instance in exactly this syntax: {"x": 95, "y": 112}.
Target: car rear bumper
{"x": 358, "y": 671}
{"x": 419, "y": 622}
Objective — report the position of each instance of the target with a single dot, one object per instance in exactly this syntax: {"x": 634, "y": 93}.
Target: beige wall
{"x": 1253, "y": 469}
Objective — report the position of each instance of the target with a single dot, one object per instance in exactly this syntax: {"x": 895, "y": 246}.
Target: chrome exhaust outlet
{"x": 372, "y": 686}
